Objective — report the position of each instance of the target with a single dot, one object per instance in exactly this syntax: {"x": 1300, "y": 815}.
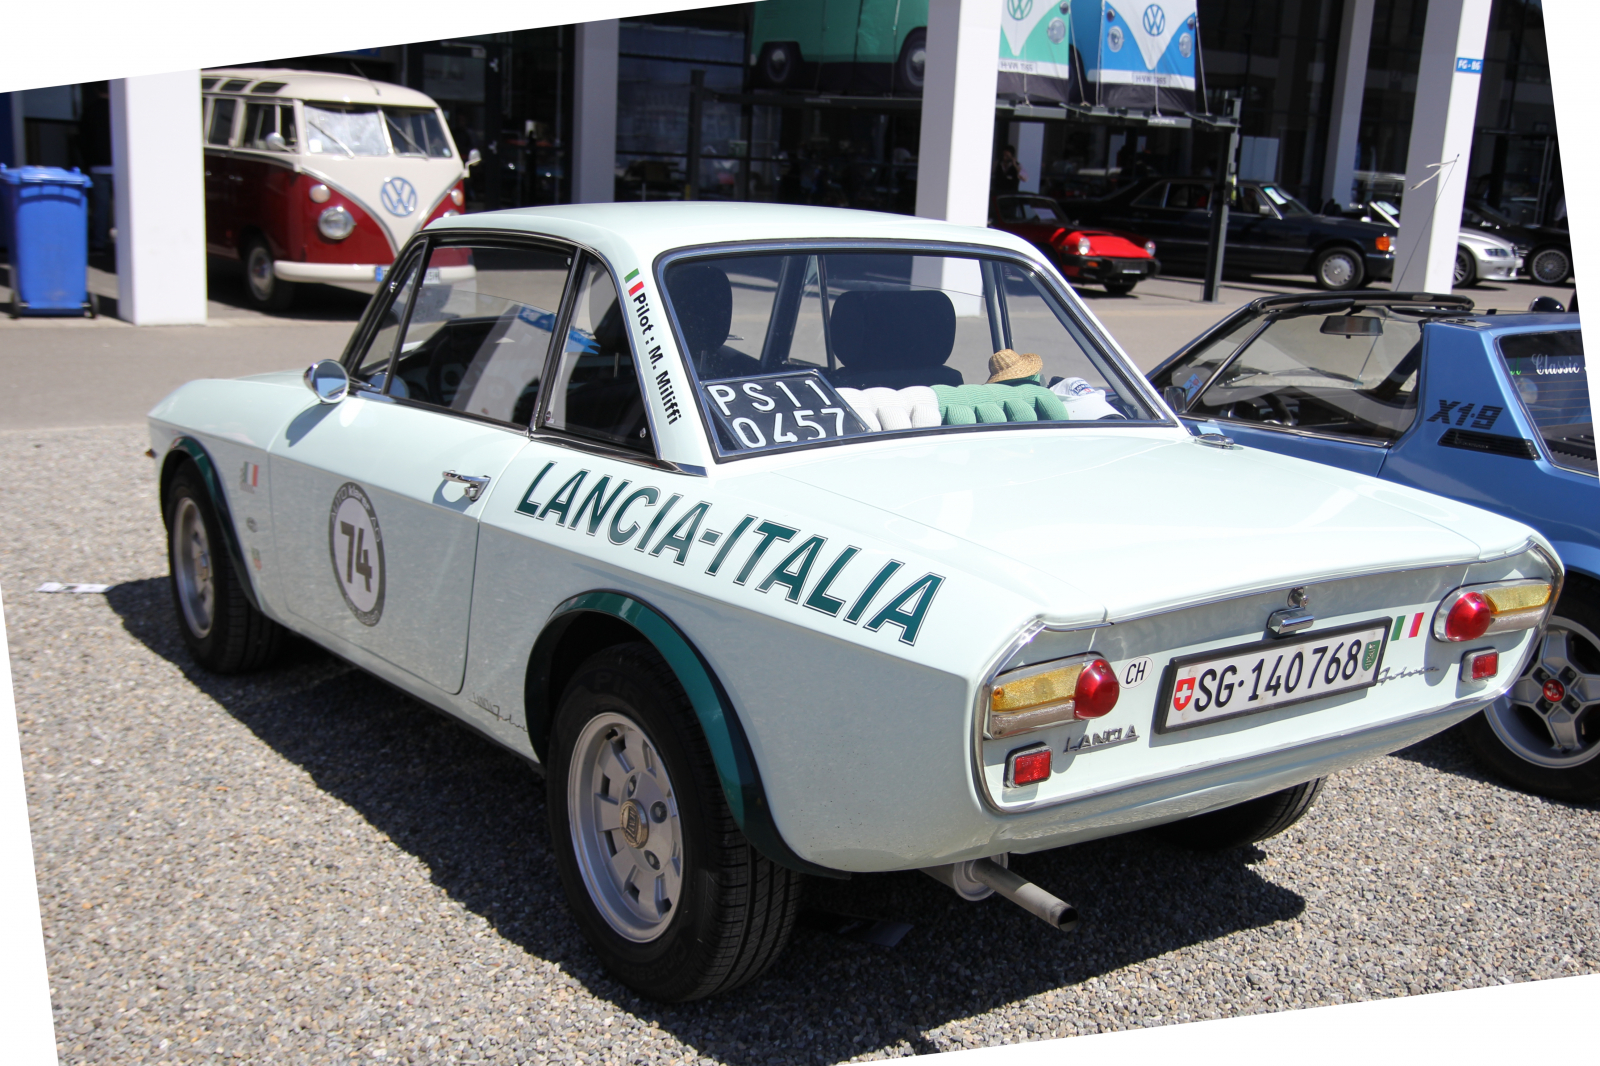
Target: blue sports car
{"x": 1492, "y": 410}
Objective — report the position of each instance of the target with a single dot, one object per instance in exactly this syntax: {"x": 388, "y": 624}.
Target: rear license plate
{"x": 1251, "y": 678}
{"x": 1133, "y": 270}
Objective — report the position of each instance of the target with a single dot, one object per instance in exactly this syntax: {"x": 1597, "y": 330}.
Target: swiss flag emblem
{"x": 1183, "y": 693}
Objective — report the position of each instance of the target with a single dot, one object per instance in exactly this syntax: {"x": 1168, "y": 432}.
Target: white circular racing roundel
{"x": 355, "y": 543}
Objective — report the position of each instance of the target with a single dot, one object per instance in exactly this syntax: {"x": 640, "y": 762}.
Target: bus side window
{"x": 221, "y": 130}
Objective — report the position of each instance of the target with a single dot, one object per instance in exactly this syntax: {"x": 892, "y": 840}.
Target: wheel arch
{"x": 1330, "y": 243}
{"x": 592, "y": 621}
{"x": 186, "y": 451}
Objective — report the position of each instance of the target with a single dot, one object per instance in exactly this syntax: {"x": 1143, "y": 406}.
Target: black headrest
{"x": 703, "y": 301}
{"x": 894, "y": 330}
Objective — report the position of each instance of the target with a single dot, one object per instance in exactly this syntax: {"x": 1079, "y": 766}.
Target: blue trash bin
{"x": 47, "y": 222}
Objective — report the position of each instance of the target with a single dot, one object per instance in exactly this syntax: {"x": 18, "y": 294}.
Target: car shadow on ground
{"x": 474, "y": 814}
{"x": 1449, "y": 753}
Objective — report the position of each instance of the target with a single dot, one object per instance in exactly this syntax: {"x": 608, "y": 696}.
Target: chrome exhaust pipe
{"x": 976, "y": 879}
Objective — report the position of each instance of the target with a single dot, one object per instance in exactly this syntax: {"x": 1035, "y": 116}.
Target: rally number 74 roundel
{"x": 355, "y": 544}
{"x": 1247, "y": 679}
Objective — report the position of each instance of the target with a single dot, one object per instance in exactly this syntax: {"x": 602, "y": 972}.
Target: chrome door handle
{"x": 475, "y": 485}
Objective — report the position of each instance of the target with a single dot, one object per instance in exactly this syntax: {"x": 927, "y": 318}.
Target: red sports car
{"x": 1114, "y": 258}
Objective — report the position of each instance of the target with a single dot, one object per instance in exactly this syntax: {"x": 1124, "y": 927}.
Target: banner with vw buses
{"x": 1137, "y": 54}
{"x": 1035, "y": 50}
{"x": 313, "y": 177}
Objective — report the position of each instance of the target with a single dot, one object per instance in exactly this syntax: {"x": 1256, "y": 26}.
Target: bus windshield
{"x": 344, "y": 129}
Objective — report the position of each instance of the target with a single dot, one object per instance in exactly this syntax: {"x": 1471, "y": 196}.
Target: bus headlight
{"x": 336, "y": 223}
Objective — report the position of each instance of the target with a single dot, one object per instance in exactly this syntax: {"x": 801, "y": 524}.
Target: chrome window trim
{"x": 1032, "y": 629}
{"x": 1135, "y": 381}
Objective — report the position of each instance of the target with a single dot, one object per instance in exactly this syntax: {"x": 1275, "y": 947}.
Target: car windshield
{"x": 1284, "y": 202}
{"x": 1030, "y": 209}
{"x": 799, "y": 349}
{"x": 416, "y": 131}
{"x": 1349, "y": 374}
{"x": 344, "y": 129}
{"x": 1549, "y": 374}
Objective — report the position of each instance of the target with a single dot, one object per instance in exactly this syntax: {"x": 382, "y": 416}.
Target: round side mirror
{"x": 327, "y": 381}
{"x": 1546, "y": 305}
{"x": 474, "y": 157}
{"x": 276, "y": 142}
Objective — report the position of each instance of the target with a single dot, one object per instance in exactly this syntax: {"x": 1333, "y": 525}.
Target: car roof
{"x": 636, "y": 233}
{"x": 316, "y": 85}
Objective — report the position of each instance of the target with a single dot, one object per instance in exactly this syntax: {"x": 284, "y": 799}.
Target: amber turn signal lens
{"x": 1038, "y": 697}
{"x": 1385, "y": 243}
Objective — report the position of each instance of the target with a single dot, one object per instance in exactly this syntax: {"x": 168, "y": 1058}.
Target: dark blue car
{"x": 1491, "y": 410}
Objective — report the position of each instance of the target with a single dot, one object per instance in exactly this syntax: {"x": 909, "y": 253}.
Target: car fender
{"x": 1578, "y": 558}
{"x": 725, "y": 735}
{"x": 186, "y": 448}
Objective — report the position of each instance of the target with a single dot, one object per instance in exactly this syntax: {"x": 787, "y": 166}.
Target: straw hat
{"x": 1007, "y": 365}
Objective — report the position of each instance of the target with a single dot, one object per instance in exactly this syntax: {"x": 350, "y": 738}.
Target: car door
{"x": 376, "y": 499}
{"x": 1335, "y": 389}
{"x": 1181, "y": 227}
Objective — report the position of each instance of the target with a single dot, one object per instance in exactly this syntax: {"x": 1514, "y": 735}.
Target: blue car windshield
{"x": 1549, "y": 374}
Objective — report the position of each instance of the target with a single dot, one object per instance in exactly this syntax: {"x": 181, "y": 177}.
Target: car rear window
{"x": 802, "y": 348}
{"x": 1551, "y": 379}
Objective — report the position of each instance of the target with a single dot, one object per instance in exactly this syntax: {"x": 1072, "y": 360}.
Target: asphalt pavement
{"x": 302, "y": 865}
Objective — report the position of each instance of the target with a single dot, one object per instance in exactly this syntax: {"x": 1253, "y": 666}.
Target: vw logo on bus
{"x": 399, "y": 197}
{"x": 1020, "y": 9}
{"x": 1155, "y": 20}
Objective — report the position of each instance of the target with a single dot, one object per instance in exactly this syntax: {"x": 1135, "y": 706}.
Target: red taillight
{"x": 1027, "y": 766}
{"x": 1096, "y": 692}
{"x": 1480, "y": 665}
{"x": 1469, "y": 618}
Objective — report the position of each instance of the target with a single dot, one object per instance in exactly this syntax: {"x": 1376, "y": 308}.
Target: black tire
{"x": 266, "y": 291}
{"x": 1550, "y": 266}
{"x": 1509, "y": 744}
{"x": 780, "y": 64}
{"x": 1466, "y": 269}
{"x": 911, "y": 68}
{"x": 735, "y": 909}
{"x": 1119, "y": 288}
{"x": 1338, "y": 269}
{"x": 1244, "y": 823}
{"x": 220, "y": 627}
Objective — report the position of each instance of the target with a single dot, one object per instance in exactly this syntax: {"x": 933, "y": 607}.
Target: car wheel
{"x": 1551, "y": 747}
{"x": 1550, "y": 266}
{"x": 1243, "y": 823}
{"x": 1119, "y": 288}
{"x": 910, "y": 70}
{"x": 779, "y": 64}
{"x": 268, "y": 292}
{"x": 667, "y": 890}
{"x": 1338, "y": 269}
{"x": 224, "y": 632}
{"x": 1466, "y": 269}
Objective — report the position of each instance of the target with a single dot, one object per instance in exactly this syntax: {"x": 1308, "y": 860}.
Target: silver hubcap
{"x": 191, "y": 566}
{"x": 1548, "y": 718}
{"x": 259, "y": 269}
{"x": 625, "y": 828}
{"x": 1550, "y": 267}
{"x": 1338, "y": 270}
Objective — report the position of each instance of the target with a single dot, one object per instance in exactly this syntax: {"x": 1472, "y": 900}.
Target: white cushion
{"x": 1083, "y": 401}
{"x": 915, "y": 407}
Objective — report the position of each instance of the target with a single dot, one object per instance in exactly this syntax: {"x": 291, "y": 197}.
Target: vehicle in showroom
{"x": 1491, "y": 410}
{"x": 1269, "y": 231}
{"x": 1546, "y": 251}
{"x": 1084, "y": 254}
{"x": 313, "y": 177}
{"x": 793, "y": 541}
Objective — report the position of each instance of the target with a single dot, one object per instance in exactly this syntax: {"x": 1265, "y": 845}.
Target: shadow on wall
{"x": 473, "y": 813}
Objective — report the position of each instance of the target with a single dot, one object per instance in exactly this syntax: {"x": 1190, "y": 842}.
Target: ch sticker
{"x": 355, "y": 543}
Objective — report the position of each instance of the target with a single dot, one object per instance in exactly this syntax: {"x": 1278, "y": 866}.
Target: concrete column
{"x": 160, "y": 199}
{"x": 14, "y": 134}
{"x": 594, "y": 112}
{"x": 1349, "y": 86}
{"x": 956, "y": 152}
{"x": 1441, "y": 143}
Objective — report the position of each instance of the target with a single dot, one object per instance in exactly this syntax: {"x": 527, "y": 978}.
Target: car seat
{"x": 702, "y": 299}
{"x": 893, "y": 339}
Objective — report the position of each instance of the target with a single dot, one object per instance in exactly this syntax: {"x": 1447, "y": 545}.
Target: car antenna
{"x": 363, "y": 76}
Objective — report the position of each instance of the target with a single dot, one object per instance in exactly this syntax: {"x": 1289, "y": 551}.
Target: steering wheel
{"x": 1280, "y": 408}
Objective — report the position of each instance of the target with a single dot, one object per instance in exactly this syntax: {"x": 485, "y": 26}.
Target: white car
{"x": 800, "y": 541}
{"x": 1482, "y": 256}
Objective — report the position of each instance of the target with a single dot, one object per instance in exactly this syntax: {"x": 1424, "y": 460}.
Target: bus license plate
{"x": 1214, "y": 685}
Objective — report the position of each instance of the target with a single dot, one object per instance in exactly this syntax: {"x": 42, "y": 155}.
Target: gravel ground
{"x": 303, "y": 866}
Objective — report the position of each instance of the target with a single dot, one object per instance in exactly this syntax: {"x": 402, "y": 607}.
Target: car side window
{"x": 374, "y": 364}
{"x": 479, "y": 334}
{"x": 1348, "y": 375}
{"x": 1549, "y": 374}
{"x": 1152, "y": 196}
{"x": 220, "y": 131}
{"x": 1189, "y": 196}
{"x": 595, "y": 389}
